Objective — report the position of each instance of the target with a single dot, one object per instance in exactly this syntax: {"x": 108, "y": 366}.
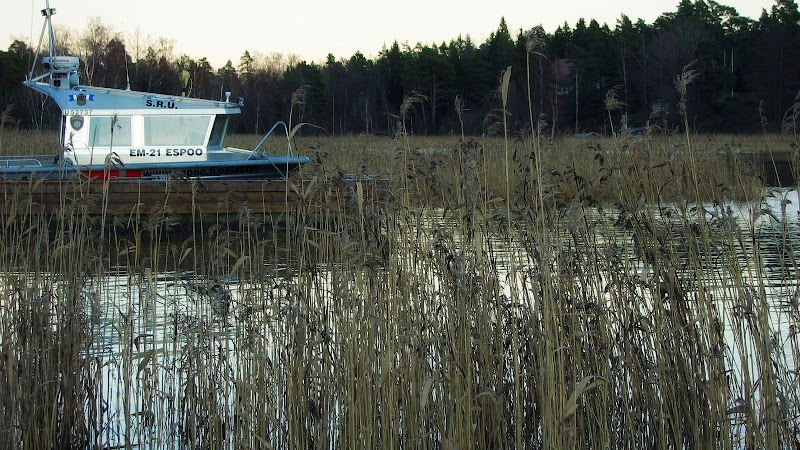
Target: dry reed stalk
{"x": 5, "y": 118}
{"x": 599, "y": 307}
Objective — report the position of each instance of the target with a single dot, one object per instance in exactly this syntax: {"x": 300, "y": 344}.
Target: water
{"x": 160, "y": 335}
{"x": 164, "y": 340}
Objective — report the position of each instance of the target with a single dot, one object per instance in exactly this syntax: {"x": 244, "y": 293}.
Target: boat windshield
{"x": 218, "y": 132}
{"x": 109, "y": 131}
{"x": 176, "y": 130}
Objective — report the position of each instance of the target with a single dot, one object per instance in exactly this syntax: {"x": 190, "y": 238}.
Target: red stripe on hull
{"x": 101, "y": 174}
{"x": 111, "y": 174}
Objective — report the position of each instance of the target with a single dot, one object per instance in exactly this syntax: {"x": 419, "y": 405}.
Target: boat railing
{"x": 255, "y": 153}
{"x": 26, "y": 160}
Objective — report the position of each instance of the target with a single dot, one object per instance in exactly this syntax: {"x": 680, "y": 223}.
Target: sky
{"x": 311, "y": 29}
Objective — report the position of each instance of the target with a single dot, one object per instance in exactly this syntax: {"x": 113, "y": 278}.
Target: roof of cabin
{"x": 96, "y": 100}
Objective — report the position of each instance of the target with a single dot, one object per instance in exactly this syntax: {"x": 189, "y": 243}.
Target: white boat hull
{"x": 270, "y": 168}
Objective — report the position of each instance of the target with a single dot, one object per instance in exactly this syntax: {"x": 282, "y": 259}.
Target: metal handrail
{"x": 22, "y": 161}
{"x": 285, "y": 129}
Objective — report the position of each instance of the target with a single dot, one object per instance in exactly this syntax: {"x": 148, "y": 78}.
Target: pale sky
{"x": 222, "y": 30}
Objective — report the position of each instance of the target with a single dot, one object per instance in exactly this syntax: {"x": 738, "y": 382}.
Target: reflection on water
{"x": 165, "y": 340}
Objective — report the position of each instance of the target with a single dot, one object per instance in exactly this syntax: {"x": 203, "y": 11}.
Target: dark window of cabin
{"x": 218, "y": 132}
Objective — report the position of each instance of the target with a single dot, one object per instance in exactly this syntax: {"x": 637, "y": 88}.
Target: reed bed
{"x": 726, "y": 167}
{"x": 725, "y": 162}
{"x": 586, "y": 299}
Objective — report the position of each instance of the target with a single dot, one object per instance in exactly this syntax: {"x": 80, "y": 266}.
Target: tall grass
{"x": 583, "y": 298}
{"x": 5, "y": 117}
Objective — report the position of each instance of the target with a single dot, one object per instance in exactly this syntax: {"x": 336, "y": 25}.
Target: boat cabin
{"x": 144, "y": 135}
{"x": 137, "y": 127}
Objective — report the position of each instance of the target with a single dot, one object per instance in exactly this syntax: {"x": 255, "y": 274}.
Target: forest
{"x": 583, "y": 78}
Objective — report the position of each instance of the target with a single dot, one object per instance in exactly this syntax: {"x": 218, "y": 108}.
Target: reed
{"x": 29, "y": 142}
{"x": 510, "y": 292}
{"x": 5, "y": 118}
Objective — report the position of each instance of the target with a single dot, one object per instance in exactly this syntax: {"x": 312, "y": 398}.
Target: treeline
{"x": 589, "y": 77}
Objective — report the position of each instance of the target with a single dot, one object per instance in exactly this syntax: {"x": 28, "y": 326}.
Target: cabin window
{"x": 103, "y": 134}
{"x": 176, "y": 130}
{"x": 218, "y": 131}
{"x": 63, "y": 130}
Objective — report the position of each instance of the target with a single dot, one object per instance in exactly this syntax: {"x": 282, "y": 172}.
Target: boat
{"x": 119, "y": 133}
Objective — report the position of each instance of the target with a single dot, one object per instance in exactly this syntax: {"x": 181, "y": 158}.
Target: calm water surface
{"x": 158, "y": 334}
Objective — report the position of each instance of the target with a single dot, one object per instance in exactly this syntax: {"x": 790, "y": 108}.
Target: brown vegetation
{"x": 619, "y": 316}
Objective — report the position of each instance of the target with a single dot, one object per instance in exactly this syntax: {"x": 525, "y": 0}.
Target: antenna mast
{"x": 127, "y": 75}
{"x": 47, "y": 25}
{"x": 48, "y": 12}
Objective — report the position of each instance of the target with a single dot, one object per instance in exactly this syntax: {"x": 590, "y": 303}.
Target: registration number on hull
{"x": 135, "y": 152}
{"x": 77, "y": 112}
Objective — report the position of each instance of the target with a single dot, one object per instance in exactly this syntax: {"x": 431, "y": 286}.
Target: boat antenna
{"x": 48, "y": 12}
{"x": 127, "y": 75}
{"x": 47, "y": 25}
{"x": 30, "y": 36}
